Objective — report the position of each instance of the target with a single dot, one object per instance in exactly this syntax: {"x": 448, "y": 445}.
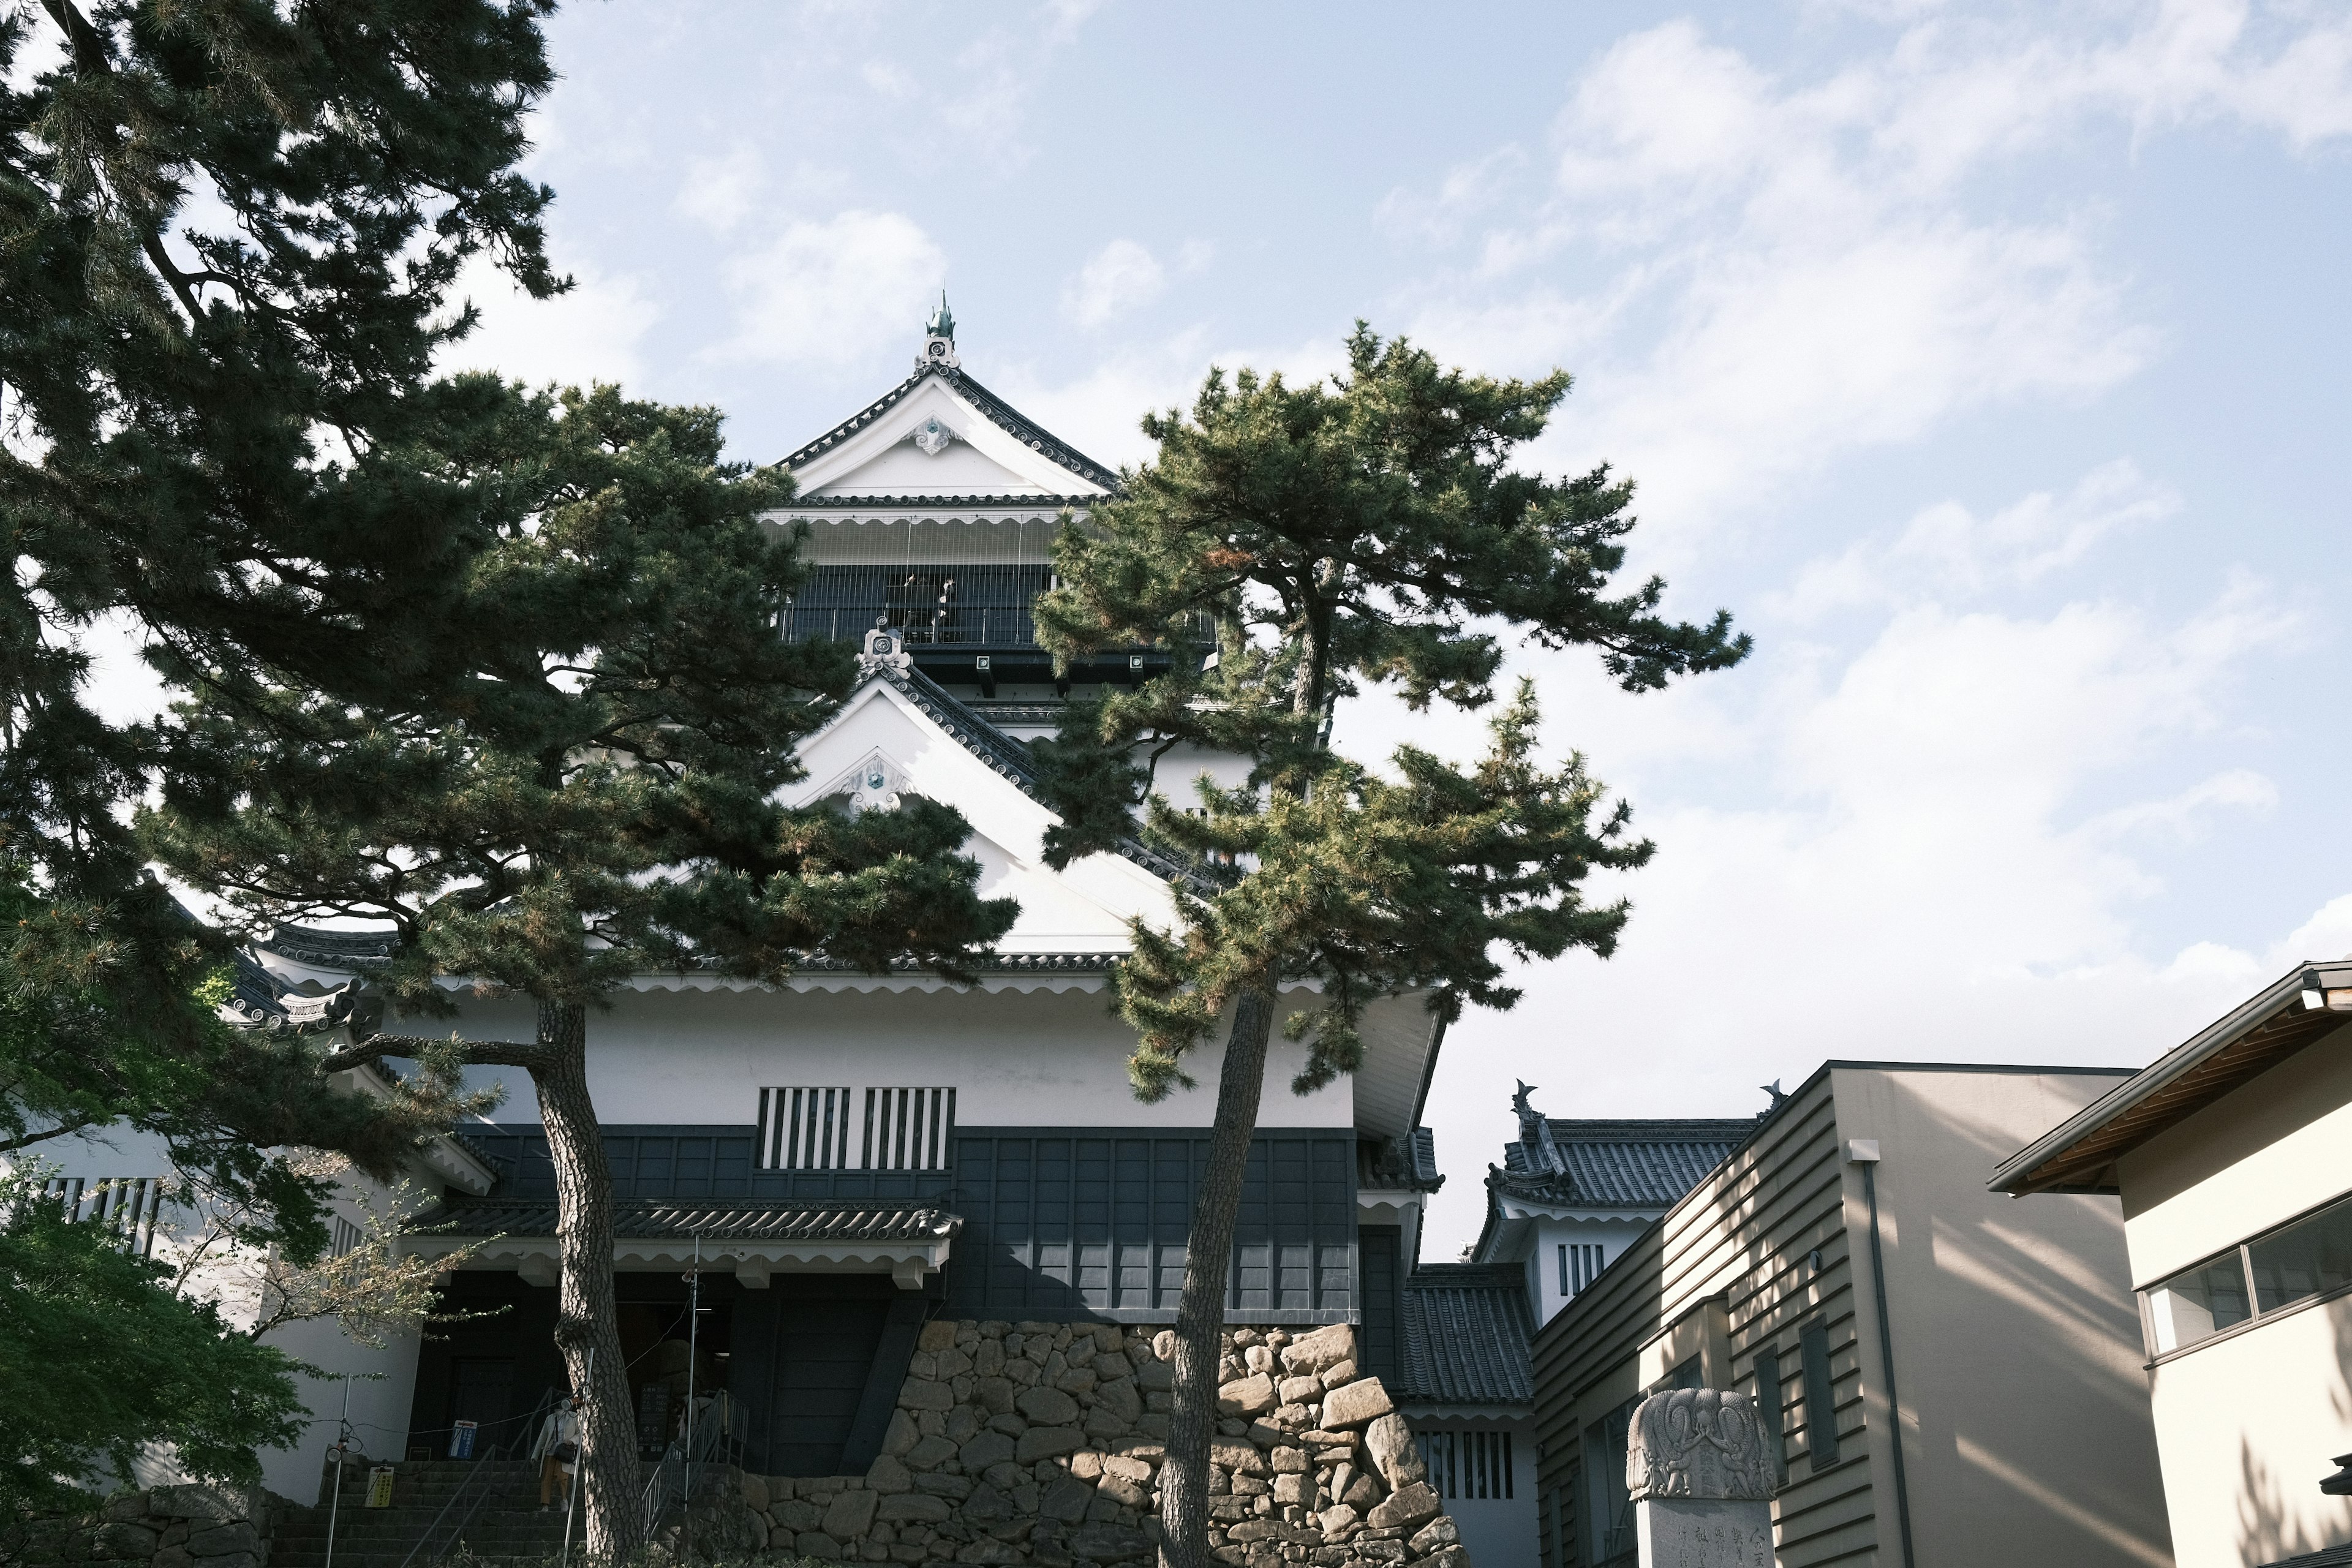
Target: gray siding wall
{"x": 1059, "y": 1223}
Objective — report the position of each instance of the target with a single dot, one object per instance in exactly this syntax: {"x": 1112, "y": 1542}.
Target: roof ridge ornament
{"x": 939, "y": 341}
{"x": 885, "y": 650}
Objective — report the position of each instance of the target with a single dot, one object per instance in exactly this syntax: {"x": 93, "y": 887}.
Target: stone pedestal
{"x": 1701, "y": 1479}
{"x": 1716, "y": 1532}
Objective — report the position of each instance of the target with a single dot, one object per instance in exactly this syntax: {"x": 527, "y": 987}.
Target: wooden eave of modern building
{"x": 2080, "y": 1154}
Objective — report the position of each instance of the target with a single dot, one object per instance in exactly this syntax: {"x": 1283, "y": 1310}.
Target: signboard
{"x": 380, "y": 1486}
{"x": 461, "y": 1439}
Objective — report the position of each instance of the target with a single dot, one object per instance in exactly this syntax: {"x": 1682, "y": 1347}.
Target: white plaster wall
{"x": 1501, "y": 1533}
{"x": 2261, "y": 1155}
{"x": 2245, "y": 1427}
{"x": 1015, "y": 1060}
{"x": 1614, "y": 1236}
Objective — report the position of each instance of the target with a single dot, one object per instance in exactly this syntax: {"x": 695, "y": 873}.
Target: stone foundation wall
{"x": 192, "y": 1526}
{"x": 1042, "y": 1443}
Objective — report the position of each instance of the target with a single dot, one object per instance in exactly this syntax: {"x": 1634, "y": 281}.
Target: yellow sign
{"x": 380, "y": 1486}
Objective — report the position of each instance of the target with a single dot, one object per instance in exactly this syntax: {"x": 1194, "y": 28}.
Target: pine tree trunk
{"x": 1208, "y": 1262}
{"x": 586, "y": 1320}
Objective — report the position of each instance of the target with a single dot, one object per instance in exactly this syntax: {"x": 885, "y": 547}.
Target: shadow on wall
{"x": 2017, "y": 1343}
{"x": 2270, "y": 1525}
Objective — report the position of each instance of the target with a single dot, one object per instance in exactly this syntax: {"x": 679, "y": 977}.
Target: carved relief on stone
{"x": 1698, "y": 1442}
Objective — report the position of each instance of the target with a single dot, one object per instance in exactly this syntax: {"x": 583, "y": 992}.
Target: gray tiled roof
{"x": 1619, "y": 1164}
{"x": 1466, "y": 1329}
{"x": 871, "y": 1221}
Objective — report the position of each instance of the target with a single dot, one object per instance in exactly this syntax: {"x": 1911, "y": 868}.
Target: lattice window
{"x": 129, "y": 1204}
{"x": 1473, "y": 1465}
{"x": 1580, "y": 1263}
{"x": 803, "y": 1129}
{"x": 909, "y": 1129}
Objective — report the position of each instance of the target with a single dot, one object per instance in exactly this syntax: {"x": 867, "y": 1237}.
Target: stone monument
{"x": 1701, "y": 1480}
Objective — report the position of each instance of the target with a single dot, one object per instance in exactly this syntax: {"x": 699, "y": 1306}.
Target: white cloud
{"x": 595, "y": 332}
{"x": 835, "y": 292}
{"x": 1933, "y": 841}
{"x": 721, "y": 192}
{"x": 1793, "y": 269}
{"x": 1116, "y": 279}
{"x": 1947, "y": 550}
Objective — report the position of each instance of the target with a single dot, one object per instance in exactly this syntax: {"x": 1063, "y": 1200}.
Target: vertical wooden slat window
{"x": 804, "y": 1128}
{"x": 127, "y": 1205}
{"x": 908, "y": 1129}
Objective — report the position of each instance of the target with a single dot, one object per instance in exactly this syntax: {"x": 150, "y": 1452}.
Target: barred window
{"x": 1473, "y": 1465}
{"x": 909, "y": 1129}
{"x": 1579, "y": 1264}
{"x": 346, "y": 1238}
{"x": 803, "y": 1129}
{"x": 129, "y": 1204}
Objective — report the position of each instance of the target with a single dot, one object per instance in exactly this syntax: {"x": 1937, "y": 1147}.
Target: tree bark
{"x": 587, "y": 1323}
{"x": 1208, "y": 1263}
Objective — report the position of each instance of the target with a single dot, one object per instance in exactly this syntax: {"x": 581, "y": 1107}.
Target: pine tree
{"x": 229, "y": 233}
{"x": 606, "y": 808}
{"x": 1366, "y": 532}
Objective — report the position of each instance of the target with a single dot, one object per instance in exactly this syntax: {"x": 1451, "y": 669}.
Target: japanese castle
{"x": 848, "y": 1155}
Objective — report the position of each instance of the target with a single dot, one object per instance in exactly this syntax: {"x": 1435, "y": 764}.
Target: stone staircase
{"x": 506, "y": 1526}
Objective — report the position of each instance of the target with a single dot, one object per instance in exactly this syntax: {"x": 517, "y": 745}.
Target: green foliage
{"x": 99, "y": 1358}
{"x": 1372, "y": 531}
{"x": 1376, "y": 887}
{"x": 228, "y": 237}
{"x": 82, "y": 1046}
{"x": 602, "y": 803}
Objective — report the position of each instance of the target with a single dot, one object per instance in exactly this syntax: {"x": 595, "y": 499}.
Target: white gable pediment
{"x": 882, "y": 735}
{"x": 935, "y": 441}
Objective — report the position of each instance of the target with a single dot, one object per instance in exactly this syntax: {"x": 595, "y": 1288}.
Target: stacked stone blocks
{"x": 1043, "y": 1443}
{"x": 169, "y": 1527}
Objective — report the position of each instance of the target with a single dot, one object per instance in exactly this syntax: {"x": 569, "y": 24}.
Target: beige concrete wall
{"x": 2246, "y": 1426}
{"x": 2247, "y": 1422}
{"x": 2028, "y": 1439}
{"x": 2261, "y": 1155}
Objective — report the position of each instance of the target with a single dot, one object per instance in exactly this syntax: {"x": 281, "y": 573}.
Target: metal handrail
{"x": 668, "y": 1482}
{"x": 530, "y": 1423}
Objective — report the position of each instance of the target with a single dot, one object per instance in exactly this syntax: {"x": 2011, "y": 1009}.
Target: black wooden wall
{"x": 1059, "y": 1223}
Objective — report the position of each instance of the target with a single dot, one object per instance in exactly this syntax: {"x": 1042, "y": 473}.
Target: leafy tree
{"x": 229, "y": 233}
{"x": 1370, "y": 532}
{"x": 606, "y": 808}
{"x": 99, "y": 1358}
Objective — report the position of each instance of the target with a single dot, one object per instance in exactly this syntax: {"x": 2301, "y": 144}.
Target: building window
{"x": 908, "y": 1129}
{"x": 128, "y": 1203}
{"x": 1609, "y": 1506}
{"x": 1820, "y": 1397}
{"x": 1580, "y": 1263}
{"x": 803, "y": 1129}
{"x": 345, "y": 1240}
{"x": 2297, "y": 1262}
{"x": 1476, "y": 1465}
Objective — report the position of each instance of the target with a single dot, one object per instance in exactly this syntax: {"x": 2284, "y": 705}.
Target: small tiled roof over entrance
{"x": 872, "y": 1221}
{"x": 1466, "y": 1329}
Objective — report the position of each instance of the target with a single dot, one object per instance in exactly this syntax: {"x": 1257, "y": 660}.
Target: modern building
{"x": 1570, "y": 1196}
{"x": 846, "y": 1155}
{"x": 2229, "y": 1157}
{"x": 1948, "y": 1378}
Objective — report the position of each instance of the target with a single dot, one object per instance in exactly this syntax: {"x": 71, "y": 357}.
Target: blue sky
{"x": 1990, "y": 365}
